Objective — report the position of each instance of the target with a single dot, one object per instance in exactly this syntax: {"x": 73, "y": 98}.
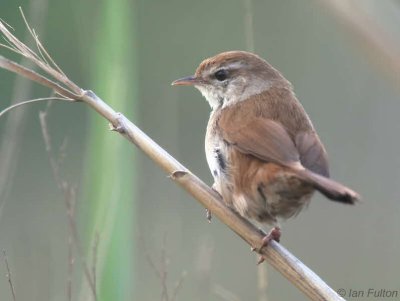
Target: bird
{"x": 262, "y": 149}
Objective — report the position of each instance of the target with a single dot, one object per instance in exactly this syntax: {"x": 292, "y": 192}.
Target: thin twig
{"x": 10, "y": 47}
{"x": 71, "y": 261}
{"x": 36, "y": 77}
{"x": 8, "y": 275}
{"x": 162, "y": 271}
{"x": 178, "y": 286}
{"x": 32, "y": 101}
{"x": 44, "y": 54}
{"x": 14, "y": 125}
{"x": 62, "y": 152}
{"x": 6, "y": 24}
{"x": 69, "y": 193}
{"x": 30, "y": 54}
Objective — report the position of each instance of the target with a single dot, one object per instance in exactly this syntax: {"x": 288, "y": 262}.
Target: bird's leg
{"x": 208, "y": 215}
{"x": 273, "y": 234}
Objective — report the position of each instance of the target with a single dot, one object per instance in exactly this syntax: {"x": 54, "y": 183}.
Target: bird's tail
{"x": 330, "y": 188}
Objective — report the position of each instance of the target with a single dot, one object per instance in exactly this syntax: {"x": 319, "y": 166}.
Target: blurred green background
{"x": 129, "y": 52}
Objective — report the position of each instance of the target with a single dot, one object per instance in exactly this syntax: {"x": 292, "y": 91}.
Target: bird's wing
{"x": 313, "y": 155}
{"x": 262, "y": 138}
{"x": 269, "y": 141}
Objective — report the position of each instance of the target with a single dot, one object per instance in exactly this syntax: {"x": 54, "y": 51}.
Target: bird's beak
{"x": 187, "y": 81}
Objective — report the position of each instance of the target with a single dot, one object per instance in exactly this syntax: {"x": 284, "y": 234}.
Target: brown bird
{"x": 262, "y": 149}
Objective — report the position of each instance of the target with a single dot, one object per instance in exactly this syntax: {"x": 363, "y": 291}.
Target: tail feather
{"x": 330, "y": 188}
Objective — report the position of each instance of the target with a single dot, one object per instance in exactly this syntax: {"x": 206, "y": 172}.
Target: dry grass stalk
{"x": 161, "y": 271}
{"x": 69, "y": 192}
{"x": 8, "y": 275}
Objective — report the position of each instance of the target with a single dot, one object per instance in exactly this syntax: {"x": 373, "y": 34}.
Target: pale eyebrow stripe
{"x": 231, "y": 66}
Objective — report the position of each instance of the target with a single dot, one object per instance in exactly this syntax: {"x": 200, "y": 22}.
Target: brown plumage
{"x": 263, "y": 151}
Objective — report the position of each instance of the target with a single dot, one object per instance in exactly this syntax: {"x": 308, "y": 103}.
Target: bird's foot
{"x": 274, "y": 234}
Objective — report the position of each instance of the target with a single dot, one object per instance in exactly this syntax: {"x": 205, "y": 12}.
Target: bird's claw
{"x": 274, "y": 234}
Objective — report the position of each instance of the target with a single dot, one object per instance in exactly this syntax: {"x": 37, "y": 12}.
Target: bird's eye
{"x": 221, "y": 75}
